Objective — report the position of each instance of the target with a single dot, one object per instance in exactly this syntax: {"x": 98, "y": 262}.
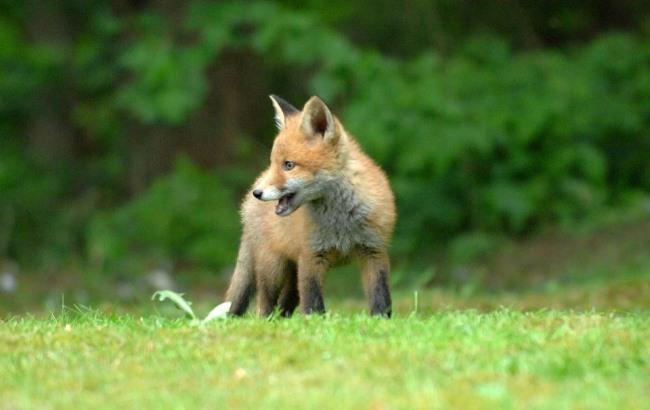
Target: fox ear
{"x": 317, "y": 120}
{"x": 282, "y": 110}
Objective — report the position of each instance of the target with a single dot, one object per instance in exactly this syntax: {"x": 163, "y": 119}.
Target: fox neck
{"x": 340, "y": 217}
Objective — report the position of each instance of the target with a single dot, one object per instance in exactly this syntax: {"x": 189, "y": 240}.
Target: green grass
{"x": 573, "y": 333}
{"x": 450, "y": 359}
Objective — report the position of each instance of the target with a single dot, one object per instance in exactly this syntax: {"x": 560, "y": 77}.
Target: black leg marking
{"x": 288, "y": 299}
{"x": 311, "y": 270}
{"x": 267, "y": 297}
{"x": 380, "y": 302}
{"x": 313, "y": 295}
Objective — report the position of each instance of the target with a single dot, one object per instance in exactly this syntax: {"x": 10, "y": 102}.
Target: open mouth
{"x": 285, "y": 204}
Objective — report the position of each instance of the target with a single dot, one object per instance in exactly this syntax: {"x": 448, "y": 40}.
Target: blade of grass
{"x": 177, "y": 299}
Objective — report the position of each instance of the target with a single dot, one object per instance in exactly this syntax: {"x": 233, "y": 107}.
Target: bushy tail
{"x": 242, "y": 283}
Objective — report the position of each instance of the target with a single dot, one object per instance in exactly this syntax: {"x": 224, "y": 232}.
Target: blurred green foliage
{"x": 483, "y": 137}
{"x": 188, "y": 215}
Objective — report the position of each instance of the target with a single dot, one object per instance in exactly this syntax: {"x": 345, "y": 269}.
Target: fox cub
{"x": 321, "y": 202}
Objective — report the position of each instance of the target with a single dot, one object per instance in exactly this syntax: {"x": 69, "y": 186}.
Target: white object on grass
{"x": 219, "y": 312}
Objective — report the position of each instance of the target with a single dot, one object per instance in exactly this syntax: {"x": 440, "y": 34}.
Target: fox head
{"x": 307, "y": 153}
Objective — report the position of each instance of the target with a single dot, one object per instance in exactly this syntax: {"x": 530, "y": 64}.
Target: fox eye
{"x": 288, "y": 165}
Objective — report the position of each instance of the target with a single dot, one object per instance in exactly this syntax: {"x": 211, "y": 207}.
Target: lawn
{"x": 447, "y": 358}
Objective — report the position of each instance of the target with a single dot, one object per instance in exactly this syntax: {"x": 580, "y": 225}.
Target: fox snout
{"x": 286, "y": 199}
{"x": 267, "y": 194}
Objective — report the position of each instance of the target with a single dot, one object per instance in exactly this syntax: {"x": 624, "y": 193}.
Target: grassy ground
{"x": 449, "y": 359}
{"x": 575, "y": 334}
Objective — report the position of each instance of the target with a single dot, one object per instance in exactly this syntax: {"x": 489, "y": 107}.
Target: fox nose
{"x": 257, "y": 193}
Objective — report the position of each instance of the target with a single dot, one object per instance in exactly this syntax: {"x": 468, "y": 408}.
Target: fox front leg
{"x": 272, "y": 271}
{"x": 311, "y": 271}
{"x": 289, "y": 299}
{"x": 375, "y": 268}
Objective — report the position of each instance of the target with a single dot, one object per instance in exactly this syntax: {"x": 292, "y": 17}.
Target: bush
{"x": 497, "y": 142}
{"x": 186, "y": 217}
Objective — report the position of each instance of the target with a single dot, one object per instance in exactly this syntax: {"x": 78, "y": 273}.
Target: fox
{"x": 321, "y": 203}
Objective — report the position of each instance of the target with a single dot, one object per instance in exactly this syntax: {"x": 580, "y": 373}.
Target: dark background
{"x": 515, "y": 133}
